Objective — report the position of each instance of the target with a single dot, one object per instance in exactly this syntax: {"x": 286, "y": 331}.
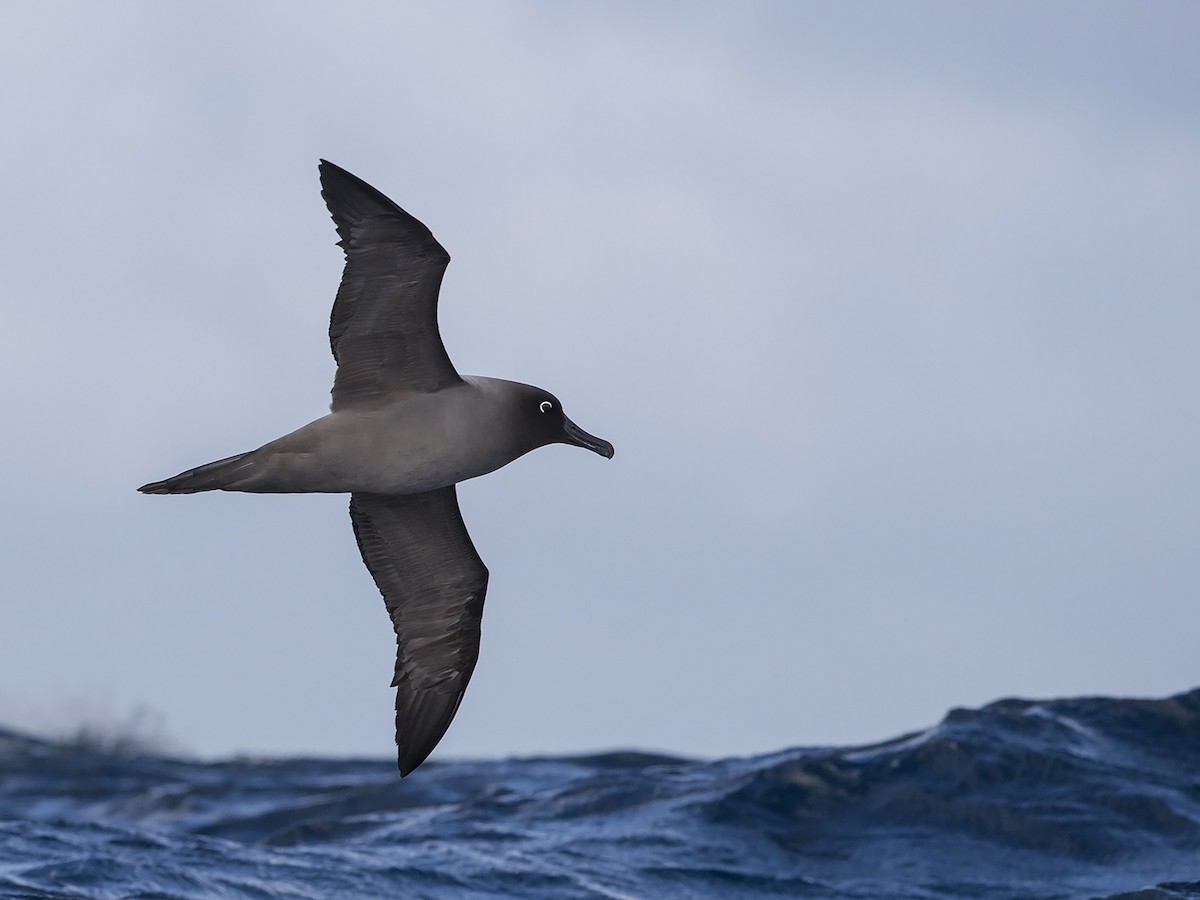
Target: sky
{"x": 890, "y": 311}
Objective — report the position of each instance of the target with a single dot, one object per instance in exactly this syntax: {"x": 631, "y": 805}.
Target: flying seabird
{"x": 403, "y": 430}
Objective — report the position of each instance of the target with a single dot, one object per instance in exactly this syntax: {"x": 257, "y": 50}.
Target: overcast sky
{"x": 889, "y": 309}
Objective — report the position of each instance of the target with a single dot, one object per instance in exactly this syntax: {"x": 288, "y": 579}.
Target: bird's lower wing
{"x": 433, "y": 583}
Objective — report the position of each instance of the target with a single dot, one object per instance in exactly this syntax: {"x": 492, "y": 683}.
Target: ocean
{"x": 1075, "y": 798}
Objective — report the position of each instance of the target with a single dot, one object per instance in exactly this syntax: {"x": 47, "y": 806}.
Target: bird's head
{"x": 543, "y": 418}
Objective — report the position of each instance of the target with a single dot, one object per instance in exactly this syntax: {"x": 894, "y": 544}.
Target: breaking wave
{"x": 1075, "y": 798}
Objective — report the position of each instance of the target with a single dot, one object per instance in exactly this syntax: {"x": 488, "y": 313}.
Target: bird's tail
{"x": 222, "y": 475}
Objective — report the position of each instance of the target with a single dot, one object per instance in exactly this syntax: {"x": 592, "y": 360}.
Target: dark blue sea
{"x": 1077, "y": 798}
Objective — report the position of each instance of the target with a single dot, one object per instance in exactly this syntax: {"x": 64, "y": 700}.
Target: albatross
{"x": 403, "y": 429}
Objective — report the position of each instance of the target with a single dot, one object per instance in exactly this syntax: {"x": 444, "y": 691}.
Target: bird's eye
{"x": 545, "y": 406}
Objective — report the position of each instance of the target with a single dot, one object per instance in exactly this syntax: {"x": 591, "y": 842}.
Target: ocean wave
{"x": 1075, "y": 798}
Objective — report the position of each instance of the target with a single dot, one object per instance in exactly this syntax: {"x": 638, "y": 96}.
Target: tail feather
{"x": 214, "y": 476}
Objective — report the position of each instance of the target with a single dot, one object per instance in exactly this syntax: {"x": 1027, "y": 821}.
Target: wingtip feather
{"x": 422, "y": 720}
{"x": 350, "y": 200}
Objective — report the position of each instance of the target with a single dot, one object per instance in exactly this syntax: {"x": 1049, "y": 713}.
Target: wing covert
{"x": 433, "y": 584}
{"x": 383, "y": 329}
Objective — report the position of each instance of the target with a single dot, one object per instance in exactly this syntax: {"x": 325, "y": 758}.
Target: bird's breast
{"x": 415, "y": 444}
{"x": 426, "y": 442}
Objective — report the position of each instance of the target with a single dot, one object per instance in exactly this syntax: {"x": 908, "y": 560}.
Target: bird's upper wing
{"x": 383, "y": 330}
{"x": 433, "y": 583}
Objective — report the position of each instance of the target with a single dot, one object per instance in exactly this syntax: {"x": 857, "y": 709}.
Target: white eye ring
{"x": 545, "y": 406}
